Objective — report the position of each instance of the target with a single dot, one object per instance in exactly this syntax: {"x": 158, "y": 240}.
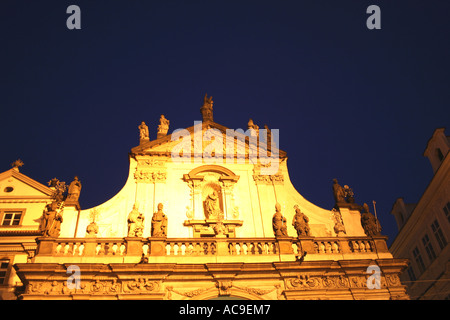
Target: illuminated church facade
{"x": 206, "y": 212}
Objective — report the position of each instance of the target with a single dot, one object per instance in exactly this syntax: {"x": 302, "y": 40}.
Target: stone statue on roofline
{"x": 159, "y": 223}
{"x": 207, "y": 109}
{"x": 73, "y": 193}
{"x": 369, "y": 222}
{"x": 279, "y": 222}
{"x": 338, "y": 192}
{"x": 301, "y": 222}
{"x": 51, "y": 220}
{"x": 163, "y": 127}
{"x": 135, "y": 222}
{"x": 143, "y": 132}
{"x": 342, "y": 194}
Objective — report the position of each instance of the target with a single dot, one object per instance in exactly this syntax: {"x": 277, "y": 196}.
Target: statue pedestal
{"x": 46, "y": 246}
{"x": 205, "y": 228}
{"x": 70, "y": 216}
{"x": 134, "y": 246}
{"x": 157, "y": 246}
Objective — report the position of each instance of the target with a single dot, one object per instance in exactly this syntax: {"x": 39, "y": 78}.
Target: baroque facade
{"x": 424, "y": 228}
{"x": 206, "y": 213}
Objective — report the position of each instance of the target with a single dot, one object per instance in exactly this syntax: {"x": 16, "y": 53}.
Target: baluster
{"x": 144, "y": 249}
{"x": 270, "y": 248}
{"x": 260, "y": 247}
{"x": 76, "y": 246}
{"x": 58, "y": 249}
{"x": 81, "y": 249}
{"x": 205, "y": 248}
{"x": 190, "y": 249}
{"x": 362, "y": 246}
{"x": 335, "y": 247}
{"x": 238, "y": 248}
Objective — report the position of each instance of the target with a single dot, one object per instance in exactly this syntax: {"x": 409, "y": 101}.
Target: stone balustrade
{"x": 316, "y": 248}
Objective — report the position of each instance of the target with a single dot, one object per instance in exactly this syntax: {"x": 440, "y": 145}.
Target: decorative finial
{"x": 17, "y": 164}
{"x": 207, "y": 108}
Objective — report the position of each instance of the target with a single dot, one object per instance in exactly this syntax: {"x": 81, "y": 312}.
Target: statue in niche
{"x": 163, "y": 127}
{"x": 207, "y": 108}
{"x": 279, "y": 223}
{"x": 159, "y": 223}
{"x": 135, "y": 222}
{"x": 338, "y": 192}
{"x": 143, "y": 131}
{"x": 212, "y": 206}
{"x": 300, "y": 222}
{"x": 51, "y": 221}
{"x": 369, "y": 223}
{"x": 73, "y": 193}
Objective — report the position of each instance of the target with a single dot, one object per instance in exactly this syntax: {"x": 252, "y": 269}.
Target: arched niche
{"x": 208, "y": 182}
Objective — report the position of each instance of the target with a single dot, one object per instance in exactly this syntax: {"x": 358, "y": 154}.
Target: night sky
{"x": 351, "y": 103}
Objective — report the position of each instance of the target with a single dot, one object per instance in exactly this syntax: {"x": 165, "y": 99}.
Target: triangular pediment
{"x": 14, "y": 184}
{"x": 207, "y": 137}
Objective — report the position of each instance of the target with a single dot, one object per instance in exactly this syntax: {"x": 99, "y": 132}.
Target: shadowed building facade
{"x": 424, "y": 228}
{"x": 206, "y": 213}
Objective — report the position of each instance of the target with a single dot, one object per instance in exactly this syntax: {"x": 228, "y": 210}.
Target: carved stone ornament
{"x": 150, "y": 176}
{"x": 259, "y": 178}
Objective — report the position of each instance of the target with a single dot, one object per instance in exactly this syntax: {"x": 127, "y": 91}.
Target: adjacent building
{"x": 424, "y": 228}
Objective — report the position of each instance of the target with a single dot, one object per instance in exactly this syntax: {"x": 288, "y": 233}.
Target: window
{"x": 447, "y": 211}
{"x": 3, "y": 269}
{"x": 411, "y": 274}
{"x": 438, "y": 234}
{"x": 11, "y": 218}
{"x": 418, "y": 259}
{"x": 428, "y": 247}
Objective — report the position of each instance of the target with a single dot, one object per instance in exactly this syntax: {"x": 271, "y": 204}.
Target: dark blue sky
{"x": 354, "y": 104}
